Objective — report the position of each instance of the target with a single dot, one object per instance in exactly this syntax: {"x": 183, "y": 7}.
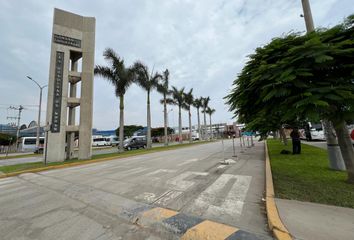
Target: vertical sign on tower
{"x": 57, "y": 94}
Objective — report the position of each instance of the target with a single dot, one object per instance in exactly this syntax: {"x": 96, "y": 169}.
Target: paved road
{"x": 93, "y": 201}
{"x": 96, "y": 151}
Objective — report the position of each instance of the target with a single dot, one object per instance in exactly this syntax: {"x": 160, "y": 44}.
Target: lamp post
{"x": 39, "y": 111}
{"x": 168, "y": 121}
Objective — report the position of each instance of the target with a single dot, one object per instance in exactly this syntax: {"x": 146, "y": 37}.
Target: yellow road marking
{"x": 159, "y": 214}
{"x": 208, "y": 230}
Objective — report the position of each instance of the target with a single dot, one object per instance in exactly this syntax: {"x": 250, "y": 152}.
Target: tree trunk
{"x": 346, "y": 148}
{"x": 283, "y": 136}
{"x": 199, "y": 131}
{"x": 180, "y": 124}
{"x": 205, "y": 126}
{"x": 121, "y": 123}
{"x": 190, "y": 124}
{"x": 335, "y": 158}
{"x": 148, "y": 137}
{"x": 165, "y": 118}
{"x": 211, "y": 129}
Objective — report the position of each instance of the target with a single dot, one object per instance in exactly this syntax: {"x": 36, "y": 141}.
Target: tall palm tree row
{"x": 210, "y": 111}
{"x": 121, "y": 77}
{"x": 148, "y": 81}
{"x": 178, "y": 99}
{"x": 198, "y": 104}
{"x": 163, "y": 88}
{"x": 187, "y": 103}
{"x": 205, "y": 104}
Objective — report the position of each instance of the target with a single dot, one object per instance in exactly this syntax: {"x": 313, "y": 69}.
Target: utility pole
{"x": 308, "y": 15}
{"x": 334, "y": 154}
{"x": 39, "y": 110}
{"x": 19, "y": 109}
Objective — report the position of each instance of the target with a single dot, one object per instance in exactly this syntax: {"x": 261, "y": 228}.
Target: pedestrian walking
{"x": 295, "y": 137}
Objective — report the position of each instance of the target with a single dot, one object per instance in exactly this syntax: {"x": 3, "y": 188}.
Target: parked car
{"x": 112, "y": 140}
{"x": 135, "y": 143}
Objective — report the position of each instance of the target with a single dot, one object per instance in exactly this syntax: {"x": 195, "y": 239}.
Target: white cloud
{"x": 203, "y": 43}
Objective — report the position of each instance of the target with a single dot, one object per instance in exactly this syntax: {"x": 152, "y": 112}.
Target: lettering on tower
{"x": 58, "y": 88}
{"x": 68, "y": 41}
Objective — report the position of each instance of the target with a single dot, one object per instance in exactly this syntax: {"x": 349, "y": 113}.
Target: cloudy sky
{"x": 203, "y": 43}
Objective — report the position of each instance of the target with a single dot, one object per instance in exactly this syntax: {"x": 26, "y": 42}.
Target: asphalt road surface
{"x": 97, "y": 201}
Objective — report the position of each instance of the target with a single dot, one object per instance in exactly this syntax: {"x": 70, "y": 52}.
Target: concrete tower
{"x": 70, "y": 86}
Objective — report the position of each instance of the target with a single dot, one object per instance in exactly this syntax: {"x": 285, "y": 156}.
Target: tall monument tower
{"x": 70, "y": 88}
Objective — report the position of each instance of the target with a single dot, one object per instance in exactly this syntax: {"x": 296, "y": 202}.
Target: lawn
{"x": 36, "y": 165}
{"x": 307, "y": 177}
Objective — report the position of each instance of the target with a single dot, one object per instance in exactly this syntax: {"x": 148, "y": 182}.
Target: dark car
{"x": 135, "y": 143}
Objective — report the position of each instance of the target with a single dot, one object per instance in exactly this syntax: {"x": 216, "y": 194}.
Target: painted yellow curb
{"x": 209, "y": 230}
{"x": 274, "y": 221}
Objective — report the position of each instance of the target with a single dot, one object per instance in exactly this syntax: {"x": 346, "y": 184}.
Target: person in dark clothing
{"x": 295, "y": 137}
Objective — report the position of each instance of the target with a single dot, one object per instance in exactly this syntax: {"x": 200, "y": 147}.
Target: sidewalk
{"x": 306, "y": 220}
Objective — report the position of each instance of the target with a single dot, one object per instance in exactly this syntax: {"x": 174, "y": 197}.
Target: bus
{"x": 28, "y": 144}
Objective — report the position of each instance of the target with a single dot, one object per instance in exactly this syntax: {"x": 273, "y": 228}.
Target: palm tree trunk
{"x": 205, "y": 126}
{"x": 180, "y": 124}
{"x": 199, "y": 131}
{"x": 211, "y": 129}
{"x": 148, "y": 137}
{"x": 335, "y": 158}
{"x": 283, "y": 135}
{"x": 190, "y": 124}
{"x": 165, "y": 118}
{"x": 346, "y": 148}
{"x": 121, "y": 123}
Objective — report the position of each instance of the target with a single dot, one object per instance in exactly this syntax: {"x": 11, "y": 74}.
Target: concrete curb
{"x": 275, "y": 224}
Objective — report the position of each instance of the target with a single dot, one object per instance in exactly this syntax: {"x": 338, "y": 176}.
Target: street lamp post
{"x": 39, "y": 111}
{"x": 168, "y": 121}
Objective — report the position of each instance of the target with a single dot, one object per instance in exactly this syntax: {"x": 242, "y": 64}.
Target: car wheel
{"x": 129, "y": 148}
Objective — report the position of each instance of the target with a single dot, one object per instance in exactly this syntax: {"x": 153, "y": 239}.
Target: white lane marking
{"x": 161, "y": 171}
{"x": 7, "y": 181}
{"x": 163, "y": 201}
{"x": 232, "y": 204}
{"x": 178, "y": 182}
{"x": 188, "y": 161}
{"x": 147, "y": 197}
{"x": 221, "y": 166}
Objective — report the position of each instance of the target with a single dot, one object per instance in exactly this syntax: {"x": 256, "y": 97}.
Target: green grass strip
{"x": 307, "y": 177}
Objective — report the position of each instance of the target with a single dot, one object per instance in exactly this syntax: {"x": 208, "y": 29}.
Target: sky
{"x": 203, "y": 43}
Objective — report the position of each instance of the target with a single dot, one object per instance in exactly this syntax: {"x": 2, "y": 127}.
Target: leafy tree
{"x": 7, "y": 139}
{"x": 121, "y": 78}
{"x": 129, "y": 130}
{"x": 163, "y": 88}
{"x": 148, "y": 81}
{"x": 178, "y": 99}
{"x": 198, "y": 104}
{"x": 300, "y": 77}
{"x": 188, "y": 102}
{"x": 205, "y": 104}
{"x": 210, "y": 111}
{"x": 158, "y": 132}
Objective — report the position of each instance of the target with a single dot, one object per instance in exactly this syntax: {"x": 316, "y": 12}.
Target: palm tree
{"x": 121, "y": 78}
{"x": 163, "y": 88}
{"x": 188, "y": 102}
{"x": 205, "y": 103}
{"x": 148, "y": 81}
{"x": 210, "y": 111}
{"x": 178, "y": 99}
{"x": 198, "y": 104}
